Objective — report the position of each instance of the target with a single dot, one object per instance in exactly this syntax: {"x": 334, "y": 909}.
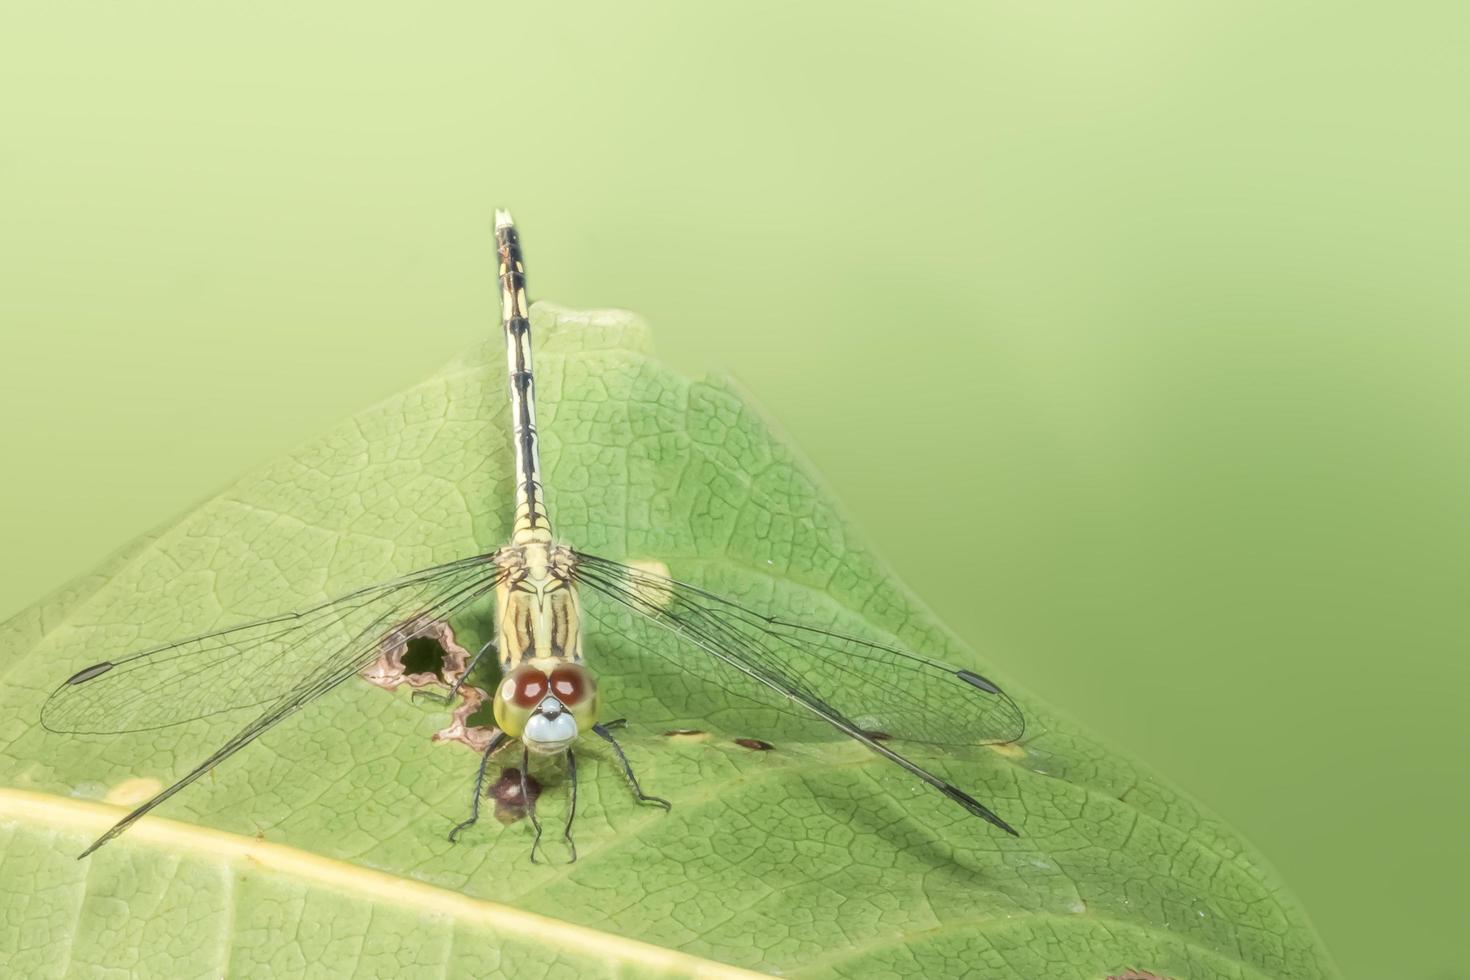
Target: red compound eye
{"x": 571, "y": 684}
{"x": 524, "y": 687}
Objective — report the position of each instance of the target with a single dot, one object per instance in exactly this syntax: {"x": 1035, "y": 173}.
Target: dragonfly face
{"x": 547, "y": 711}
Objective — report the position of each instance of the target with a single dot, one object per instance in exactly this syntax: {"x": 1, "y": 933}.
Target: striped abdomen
{"x": 531, "y": 523}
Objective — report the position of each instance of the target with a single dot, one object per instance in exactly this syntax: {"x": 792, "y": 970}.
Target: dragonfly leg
{"x": 495, "y": 743}
{"x": 603, "y": 730}
{"x": 447, "y": 698}
{"x": 529, "y": 803}
{"x": 571, "y": 801}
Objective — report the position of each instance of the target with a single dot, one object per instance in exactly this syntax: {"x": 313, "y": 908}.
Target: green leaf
{"x": 321, "y": 848}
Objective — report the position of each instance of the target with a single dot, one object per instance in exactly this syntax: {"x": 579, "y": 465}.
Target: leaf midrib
{"x": 55, "y": 813}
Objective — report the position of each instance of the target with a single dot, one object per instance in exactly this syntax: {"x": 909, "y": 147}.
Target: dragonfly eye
{"x": 518, "y": 695}
{"x": 571, "y": 683}
{"x": 575, "y": 688}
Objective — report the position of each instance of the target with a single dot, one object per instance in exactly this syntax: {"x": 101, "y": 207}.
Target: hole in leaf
{"x": 425, "y": 655}
{"x": 432, "y": 657}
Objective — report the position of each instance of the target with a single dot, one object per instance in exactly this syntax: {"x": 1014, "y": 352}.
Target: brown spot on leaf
{"x": 754, "y": 744}
{"x": 510, "y": 804}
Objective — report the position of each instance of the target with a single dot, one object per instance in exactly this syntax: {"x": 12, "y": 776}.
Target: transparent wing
{"x": 888, "y": 691}
{"x": 286, "y": 660}
{"x": 870, "y": 692}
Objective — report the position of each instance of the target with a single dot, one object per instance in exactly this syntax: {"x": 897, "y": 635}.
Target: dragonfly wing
{"x": 284, "y": 660}
{"x": 640, "y": 669}
{"x": 886, "y": 690}
{"x": 867, "y": 691}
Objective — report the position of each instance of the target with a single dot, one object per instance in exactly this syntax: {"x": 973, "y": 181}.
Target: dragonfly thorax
{"x": 538, "y": 615}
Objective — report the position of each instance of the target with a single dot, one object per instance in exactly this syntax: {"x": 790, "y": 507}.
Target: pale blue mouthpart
{"x": 551, "y": 729}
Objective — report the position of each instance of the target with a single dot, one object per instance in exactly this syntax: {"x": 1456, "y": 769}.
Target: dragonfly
{"x": 897, "y": 703}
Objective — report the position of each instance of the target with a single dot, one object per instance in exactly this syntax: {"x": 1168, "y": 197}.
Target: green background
{"x": 1132, "y": 334}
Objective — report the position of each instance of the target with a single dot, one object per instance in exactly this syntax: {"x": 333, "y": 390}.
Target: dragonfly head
{"x": 546, "y": 711}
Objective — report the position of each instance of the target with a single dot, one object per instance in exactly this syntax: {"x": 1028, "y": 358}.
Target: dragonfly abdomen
{"x": 531, "y": 523}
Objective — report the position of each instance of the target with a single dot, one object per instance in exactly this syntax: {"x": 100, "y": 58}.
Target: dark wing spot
{"x": 754, "y": 744}
{"x": 975, "y": 679}
{"x": 87, "y": 673}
